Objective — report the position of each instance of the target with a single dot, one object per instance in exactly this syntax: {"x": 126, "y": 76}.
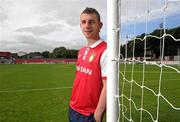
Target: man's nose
{"x": 87, "y": 25}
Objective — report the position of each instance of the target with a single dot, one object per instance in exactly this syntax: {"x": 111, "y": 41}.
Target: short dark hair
{"x": 88, "y": 10}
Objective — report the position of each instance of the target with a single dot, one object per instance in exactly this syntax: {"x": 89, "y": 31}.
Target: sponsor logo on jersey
{"x": 91, "y": 56}
{"x": 84, "y": 70}
{"x": 79, "y": 56}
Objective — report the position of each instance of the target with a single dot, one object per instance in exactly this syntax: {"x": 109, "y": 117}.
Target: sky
{"x": 42, "y": 25}
{"x": 135, "y": 20}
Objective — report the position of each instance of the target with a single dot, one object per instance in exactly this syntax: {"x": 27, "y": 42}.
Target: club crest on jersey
{"x": 91, "y": 56}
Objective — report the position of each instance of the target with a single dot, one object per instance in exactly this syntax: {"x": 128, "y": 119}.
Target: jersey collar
{"x": 95, "y": 44}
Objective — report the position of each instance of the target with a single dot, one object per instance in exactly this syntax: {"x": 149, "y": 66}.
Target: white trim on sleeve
{"x": 103, "y": 64}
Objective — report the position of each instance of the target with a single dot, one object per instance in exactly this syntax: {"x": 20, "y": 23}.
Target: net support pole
{"x": 112, "y": 55}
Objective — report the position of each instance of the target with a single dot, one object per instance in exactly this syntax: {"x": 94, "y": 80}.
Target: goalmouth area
{"x": 148, "y": 88}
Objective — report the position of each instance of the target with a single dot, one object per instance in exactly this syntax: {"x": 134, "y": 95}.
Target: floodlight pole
{"x": 112, "y": 56}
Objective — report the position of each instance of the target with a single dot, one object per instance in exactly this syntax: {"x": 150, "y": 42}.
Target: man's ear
{"x": 101, "y": 24}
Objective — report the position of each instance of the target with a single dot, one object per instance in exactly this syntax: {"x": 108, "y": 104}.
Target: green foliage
{"x": 153, "y": 44}
{"x": 59, "y": 52}
{"x": 62, "y": 52}
{"x": 45, "y": 54}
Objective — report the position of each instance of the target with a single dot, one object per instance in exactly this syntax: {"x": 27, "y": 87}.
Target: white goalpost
{"x": 112, "y": 62}
{"x": 121, "y": 103}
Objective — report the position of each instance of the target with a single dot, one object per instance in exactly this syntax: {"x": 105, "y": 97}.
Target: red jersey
{"x": 88, "y": 81}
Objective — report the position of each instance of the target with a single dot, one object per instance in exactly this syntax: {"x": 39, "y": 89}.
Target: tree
{"x": 153, "y": 44}
{"x": 45, "y": 54}
{"x": 62, "y": 52}
{"x": 59, "y": 52}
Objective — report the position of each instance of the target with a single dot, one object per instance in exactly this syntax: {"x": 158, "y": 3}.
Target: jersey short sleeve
{"x": 103, "y": 64}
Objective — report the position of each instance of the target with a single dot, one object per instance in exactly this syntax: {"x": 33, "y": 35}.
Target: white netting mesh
{"x": 149, "y": 89}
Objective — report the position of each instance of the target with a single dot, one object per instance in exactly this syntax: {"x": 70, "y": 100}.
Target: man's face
{"x": 90, "y": 26}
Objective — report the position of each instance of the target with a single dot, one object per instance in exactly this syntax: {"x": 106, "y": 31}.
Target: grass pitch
{"x": 169, "y": 88}
{"x": 41, "y": 92}
{"x": 35, "y": 92}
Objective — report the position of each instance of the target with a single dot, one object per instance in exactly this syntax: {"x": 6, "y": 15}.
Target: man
{"x": 88, "y": 100}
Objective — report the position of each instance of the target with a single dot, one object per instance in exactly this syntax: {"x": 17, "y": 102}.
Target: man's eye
{"x": 92, "y": 22}
{"x": 83, "y": 22}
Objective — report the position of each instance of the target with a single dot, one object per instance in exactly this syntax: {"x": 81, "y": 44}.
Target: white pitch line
{"x": 152, "y": 72}
{"x": 29, "y": 90}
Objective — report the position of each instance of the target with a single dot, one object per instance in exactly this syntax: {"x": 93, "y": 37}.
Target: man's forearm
{"x": 101, "y": 104}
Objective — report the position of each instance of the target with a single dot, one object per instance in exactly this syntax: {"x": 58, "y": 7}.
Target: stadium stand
{"x": 43, "y": 61}
{"x": 5, "y": 58}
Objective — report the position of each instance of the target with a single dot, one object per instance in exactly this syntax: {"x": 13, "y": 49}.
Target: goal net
{"x": 148, "y": 73}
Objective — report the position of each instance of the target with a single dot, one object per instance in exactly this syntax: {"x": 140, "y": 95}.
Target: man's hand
{"x": 97, "y": 117}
